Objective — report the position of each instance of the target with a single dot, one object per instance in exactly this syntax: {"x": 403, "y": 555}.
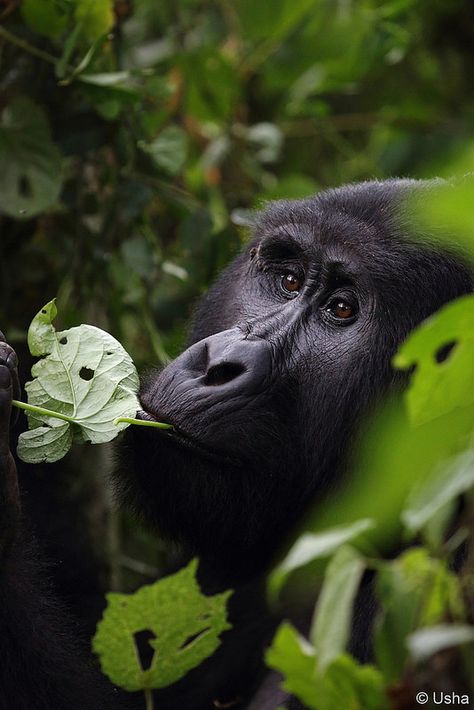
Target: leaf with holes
{"x": 30, "y": 175}
{"x": 86, "y": 377}
{"x": 152, "y": 638}
{"x": 442, "y": 351}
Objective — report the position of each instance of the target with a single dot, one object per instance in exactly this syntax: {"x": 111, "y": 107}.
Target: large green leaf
{"x": 184, "y": 624}
{"x": 442, "y": 350}
{"x": 30, "y": 163}
{"x": 86, "y": 376}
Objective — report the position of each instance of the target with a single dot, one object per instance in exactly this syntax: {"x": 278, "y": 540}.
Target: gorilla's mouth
{"x": 188, "y": 441}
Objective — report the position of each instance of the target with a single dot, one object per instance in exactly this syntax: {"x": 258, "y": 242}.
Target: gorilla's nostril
{"x": 222, "y": 373}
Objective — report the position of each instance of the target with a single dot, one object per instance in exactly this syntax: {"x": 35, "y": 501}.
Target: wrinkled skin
{"x": 288, "y": 352}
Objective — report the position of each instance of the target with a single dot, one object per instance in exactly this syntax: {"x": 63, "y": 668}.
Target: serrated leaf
{"x": 186, "y": 626}
{"x": 442, "y": 349}
{"x": 312, "y": 546}
{"x": 30, "y": 163}
{"x": 86, "y": 376}
{"x": 295, "y": 658}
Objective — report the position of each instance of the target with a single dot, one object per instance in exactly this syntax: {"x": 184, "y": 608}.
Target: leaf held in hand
{"x": 86, "y": 376}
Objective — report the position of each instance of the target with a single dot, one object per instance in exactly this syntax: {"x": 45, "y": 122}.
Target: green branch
{"x": 42, "y": 411}
{"x": 57, "y": 415}
{"x": 26, "y": 46}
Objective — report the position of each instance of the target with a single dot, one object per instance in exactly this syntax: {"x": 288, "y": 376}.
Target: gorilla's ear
{"x": 245, "y": 218}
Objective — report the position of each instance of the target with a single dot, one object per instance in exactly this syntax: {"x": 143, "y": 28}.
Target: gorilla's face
{"x": 288, "y": 349}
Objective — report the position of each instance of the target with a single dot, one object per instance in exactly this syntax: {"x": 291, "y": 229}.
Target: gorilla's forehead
{"x": 352, "y": 216}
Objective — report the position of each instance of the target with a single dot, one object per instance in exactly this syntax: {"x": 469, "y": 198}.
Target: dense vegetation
{"x": 135, "y": 137}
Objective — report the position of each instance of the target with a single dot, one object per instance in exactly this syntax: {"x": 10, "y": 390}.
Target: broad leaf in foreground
{"x": 184, "y": 626}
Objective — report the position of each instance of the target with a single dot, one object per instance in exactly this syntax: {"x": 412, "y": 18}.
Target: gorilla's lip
{"x": 183, "y": 438}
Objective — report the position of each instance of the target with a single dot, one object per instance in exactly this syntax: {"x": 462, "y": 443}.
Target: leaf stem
{"x": 26, "y": 46}
{"x": 41, "y": 410}
{"x": 149, "y": 699}
{"x": 142, "y": 422}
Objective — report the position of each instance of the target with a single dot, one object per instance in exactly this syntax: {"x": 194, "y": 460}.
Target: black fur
{"x": 265, "y": 402}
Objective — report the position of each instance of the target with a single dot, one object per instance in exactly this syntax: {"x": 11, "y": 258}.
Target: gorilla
{"x": 287, "y": 353}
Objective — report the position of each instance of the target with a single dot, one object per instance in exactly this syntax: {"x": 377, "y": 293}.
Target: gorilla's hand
{"x": 9, "y": 497}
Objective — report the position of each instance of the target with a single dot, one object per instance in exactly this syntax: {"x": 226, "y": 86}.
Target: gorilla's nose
{"x": 228, "y": 360}
{"x": 222, "y": 370}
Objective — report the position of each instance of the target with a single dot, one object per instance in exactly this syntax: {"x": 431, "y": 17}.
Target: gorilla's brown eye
{"x": 290, "y": 283}
{"x": 342, "y": 309}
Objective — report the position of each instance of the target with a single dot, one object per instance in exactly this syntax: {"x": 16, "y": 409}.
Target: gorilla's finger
{"x": 8, "y": 358}
{"x": 5, "y": 409}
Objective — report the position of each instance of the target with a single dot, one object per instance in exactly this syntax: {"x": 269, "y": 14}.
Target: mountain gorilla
{"x": 287, "y": 351}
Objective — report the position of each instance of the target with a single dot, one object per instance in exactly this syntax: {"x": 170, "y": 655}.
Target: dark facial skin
{"x": 288, "y": 350}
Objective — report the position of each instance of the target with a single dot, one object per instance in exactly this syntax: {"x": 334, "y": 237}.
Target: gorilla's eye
{"x": 342, "y": 308}
{"x": 290, "y": 283}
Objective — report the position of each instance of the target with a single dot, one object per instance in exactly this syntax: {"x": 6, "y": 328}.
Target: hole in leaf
{"x": 24, "y": 186}
{"x": 63, "y": 341}
{"x": 86, "y": 373}
{"x": 108, "y": 353}
{"x": 145, "y": 651}
{"x": 194, "y": 637}
{"x": 43, "y": 310}
{"x": 443, "y": 353}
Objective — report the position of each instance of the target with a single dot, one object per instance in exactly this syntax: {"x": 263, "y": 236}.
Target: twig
{"x": 26, "y": 46}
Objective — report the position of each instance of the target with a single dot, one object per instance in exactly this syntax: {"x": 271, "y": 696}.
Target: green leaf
{"x": 275, "y": 20}
{"x": 295, "y": 658}
{"x": 169, "y": 150}
{"x": 96, "y": 17}
{"x": 311, "y": 546}
{"x": 332, "y": 624}
{"x": 444, "y": 378}
{"x": 30, "y": 178}
{"x": 344, "y": 684}
{"x": 186, "y": 626}
{"x": 42, "y": 443}
{"x": 212, "y": 85}
{"x": 85, "y": 376}
{"x": 445, "y": 485}
{"x": 46, "y": 17}
{"x": 351, "y": 686}
{"x": 415, "y": 591}
{"x": 425, "y": 642}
